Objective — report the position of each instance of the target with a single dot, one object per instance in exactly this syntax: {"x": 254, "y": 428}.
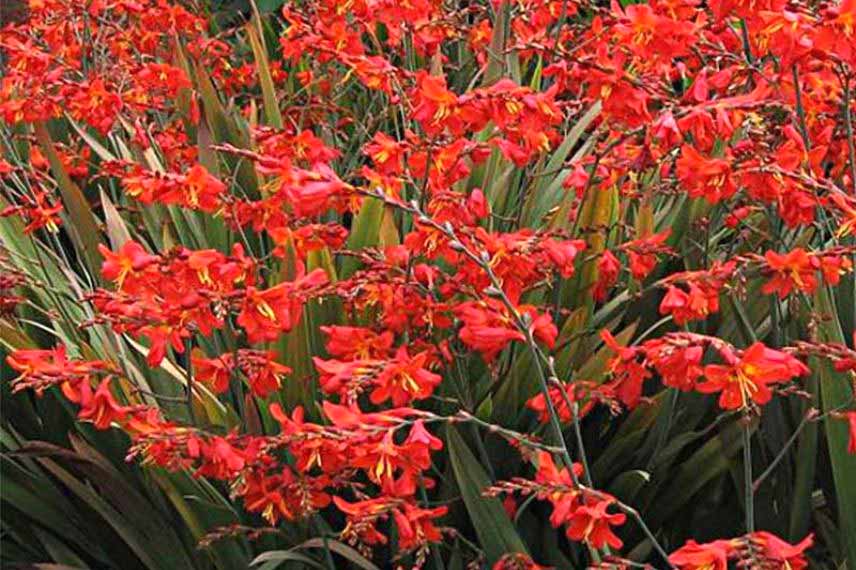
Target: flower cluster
{"x": 347, "y": 228}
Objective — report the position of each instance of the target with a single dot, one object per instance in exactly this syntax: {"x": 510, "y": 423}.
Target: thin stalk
{"x": 188, "y": 375}
{"x": 747, "y": 480}
{"x": 435, "y": 551}
{"x": 800, "y": 108}
{"x": 575, "y": 416}
{"x": 781, "y": 455}
{"x": 328, "y": 557}
{"x": 848, "y": 125}
{"x": 554, "y": 416}
{"x": 664, "y": 434}
{"x": 634, "y": 514}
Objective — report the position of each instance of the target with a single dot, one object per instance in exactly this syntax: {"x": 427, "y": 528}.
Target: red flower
{"x": 563, "y": 253}
{"x": 679, "y": 366}
{"x": 130, "y": 260}
{"x": 100, "y": 408}
{"x": 40, "y": 212}
{"x": 356, "y": 343}
{"x": 701, "y": 296}
{"x": 705, "y": 177}
{"x": 283, "y": 495}
{"x": 404, "y": 379}
{"x": 628, "y": 372}
{"x": 435, "y": 105}
{"x": 362, "y": 518}
{"x": 851, "y": 425}
{"x": 708, "y": 556}
{"x": 832, "y": 267}
{"x": 386, "y": 153}
{"x": 486, "y": 329}
{"x": 747, "y": 379}
{"x": 574, "y": 391}
{"x": 266, "y": 314}
{"x": 558, "y": 487}
{"x": 215, "y": 372}
{"x": 592, "y": 524}
{"x": 40, "y": 369}
{"x": 784, "y": 554}
{"x": 608, "y": 268}
{"x": 200, "y": 190}
{"x": 793, "y": 271}
{"x": 642, "y": 253}
{"x": 416, "y": 525}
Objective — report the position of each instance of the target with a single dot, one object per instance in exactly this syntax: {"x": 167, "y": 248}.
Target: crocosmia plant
{"x": 428, "y": 284}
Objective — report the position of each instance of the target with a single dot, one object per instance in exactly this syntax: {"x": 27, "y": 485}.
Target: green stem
{"x": 328, "y": 557}
{"x": 848, "y": 124}
{"x": 781, "y": 455}
{"x": 188, "y": 375}
{"x": 747, "y": 480}
{"x": 800, "y": 108}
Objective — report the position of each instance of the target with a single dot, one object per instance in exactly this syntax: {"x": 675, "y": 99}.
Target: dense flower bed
{"x": 505, "y": 284}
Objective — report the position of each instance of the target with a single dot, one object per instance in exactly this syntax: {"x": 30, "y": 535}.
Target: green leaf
{"x": 225, "y": 130}
{"x": 495, "y": 530}
{"x": 60, "y": 553}
{"x": 342, "y": 550}
{"x": 150, "y": 548}
{"x": 99, "y": 149}
{"x": 256, "y": 37}
{"x": 366, "y": 232}
{"x": 549, "y": 191}
{"x": 496, "y": 51}
{"x": 710, "y": 461}
{"x": 835, "y": 392}
{"x": 805, "y": 463}
{"x": 274, "y": 558}
{"x": 117, "y": 231}
{"x": 82, "y": 227}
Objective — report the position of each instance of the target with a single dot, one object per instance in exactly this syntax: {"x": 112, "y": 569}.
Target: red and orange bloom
{"x": 416, "y": 526}
{"x": 405, "y": 378}
{"x": 709, "y": 556}
{"x": 608, "y": 269}
{"x": 268, "y": 313}
{"x": 642, "y": 253}
{"x": 40, "y": 212}
{"x": 486, "y": 329}
{"x": 436, "y": 105}
{"x": 284, "y": 495}
{"x": 776, "y": 551}
{"x": 679, "y": 366}
{"x": 701, "y": 296}
{"x": 40, "y": 369}
{"x": 558, "y": 486}
{"x": 129, "y": 261}
{"x": 793, "y": 271}
{"x": 591, "y": 523}
{"x": 200, "y": 190}
{"x": 628, "y": 371}
{"x": 746, "y": 380}
{"x": 705, "y": 177}
{"x": 99, "y": 407}
{"x": 459, "y": 252}
{"x": 386, "y": 153}
{"x": 262, "y": 373}
{"x": 851, "y": 428}
{"x": 581, "y": 393}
